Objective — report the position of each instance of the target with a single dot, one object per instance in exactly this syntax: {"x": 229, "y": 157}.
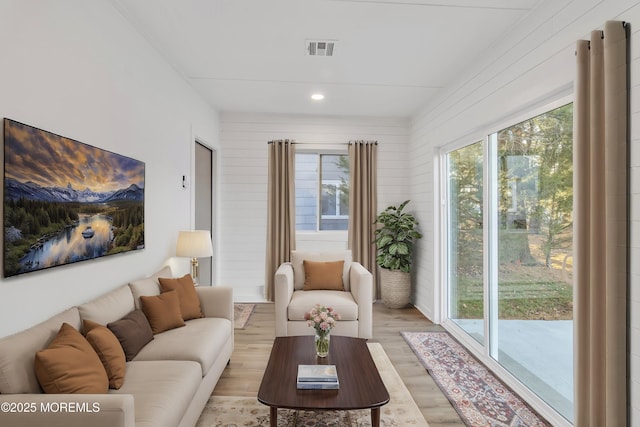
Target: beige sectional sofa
{"x": 166, "y": 384}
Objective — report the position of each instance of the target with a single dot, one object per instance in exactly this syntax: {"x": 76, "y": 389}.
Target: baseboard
{"x": 426, "y": 312}
{"x": 249, "y": 295}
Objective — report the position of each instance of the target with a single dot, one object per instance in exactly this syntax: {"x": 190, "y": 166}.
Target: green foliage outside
{"x": 344, "y": 165}
{"x": 542, "y": 300}
{"x": 545, "y": 188}
{"x": 535, "y": 188}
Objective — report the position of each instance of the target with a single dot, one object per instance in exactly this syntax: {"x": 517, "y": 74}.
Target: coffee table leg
{"x": 273, "y": 416}
{"x": 375, "y": 417}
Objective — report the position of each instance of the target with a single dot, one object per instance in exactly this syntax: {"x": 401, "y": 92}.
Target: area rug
{"x": 241, "y": 314}
{"x": 231, "y": 411}
{"x": 476, "y": 394}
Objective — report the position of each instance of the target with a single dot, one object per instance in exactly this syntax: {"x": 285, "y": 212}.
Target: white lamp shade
{"x": 194, "y": 244}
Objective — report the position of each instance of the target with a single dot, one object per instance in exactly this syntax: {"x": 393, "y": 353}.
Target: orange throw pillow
{"x": 162, "y": 311}
{"x": 189, "y": 301}
{"x": 70, "y": 365}
{"x": 109, "y": 350}
{"x": 323, "y": 275}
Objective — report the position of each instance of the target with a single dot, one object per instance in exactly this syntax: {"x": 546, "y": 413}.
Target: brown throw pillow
{"x": 109, "y": 350}
{"x": 133, "y": 331}
{"x": 189, "y": 301}
{"x": 162, "y": 311}
{"x": 69, "y": 365}
{"x": 325, "y": 275}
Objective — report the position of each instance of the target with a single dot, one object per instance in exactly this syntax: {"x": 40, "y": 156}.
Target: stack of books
{"x": 317, "y": 377}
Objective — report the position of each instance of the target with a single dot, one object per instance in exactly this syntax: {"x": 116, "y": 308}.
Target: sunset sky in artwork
{"x": 53, "y": 161}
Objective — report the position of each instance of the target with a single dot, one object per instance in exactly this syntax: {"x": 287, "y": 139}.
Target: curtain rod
{"x": 323, "y": 143}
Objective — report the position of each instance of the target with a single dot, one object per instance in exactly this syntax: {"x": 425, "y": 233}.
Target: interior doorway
{"x": 204, "y": 195}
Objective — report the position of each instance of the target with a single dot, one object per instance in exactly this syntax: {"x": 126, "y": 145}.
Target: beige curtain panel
{"x": 281, "y": 210}
{"x": 363, "y": 204}
{"x": 601, "y": 228}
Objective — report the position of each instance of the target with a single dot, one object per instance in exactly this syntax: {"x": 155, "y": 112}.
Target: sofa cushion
{"x": 109, "y": 350}
{"x": 319, "y": 275}
{"x": 109, "y": 307}
{"x": 18, "y": 351}
{"x": 298, "y": 257}
{"x": 133, "y": 331}
{"x": 341, "y": 302}
{"x": 163, "y": 390}
{"x": 200, "y": 340}
{"x": 162, "y": 311}
{"x": 70, "y": 365}
{"x": 189, "y": 301}
{"x": 148, "y": 286}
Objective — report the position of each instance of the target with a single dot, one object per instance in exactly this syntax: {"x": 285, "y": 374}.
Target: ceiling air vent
{"x": 320, "y": 47}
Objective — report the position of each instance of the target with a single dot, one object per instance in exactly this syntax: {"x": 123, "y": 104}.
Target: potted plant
{"x": 394, "y": 241}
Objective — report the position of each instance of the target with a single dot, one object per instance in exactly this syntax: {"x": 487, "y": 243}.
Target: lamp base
{"x": 194, "y": 269}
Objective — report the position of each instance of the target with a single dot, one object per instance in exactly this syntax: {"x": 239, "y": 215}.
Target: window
{"x": 508, "y": 221}
{"x": 335, "y": 201}
{"x": 322, "y": 191}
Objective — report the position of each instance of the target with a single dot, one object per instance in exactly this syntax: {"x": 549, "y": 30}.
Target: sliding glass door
{"x": 508, "y": 216}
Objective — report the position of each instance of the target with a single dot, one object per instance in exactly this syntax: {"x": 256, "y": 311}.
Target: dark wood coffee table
{"x": 360, "y": 384}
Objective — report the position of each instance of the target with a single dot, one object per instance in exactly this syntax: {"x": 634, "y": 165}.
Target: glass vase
{"x": 321, "y": 341}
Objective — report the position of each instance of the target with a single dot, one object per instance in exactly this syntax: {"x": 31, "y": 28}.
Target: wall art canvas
{"x": 66, "y": 201}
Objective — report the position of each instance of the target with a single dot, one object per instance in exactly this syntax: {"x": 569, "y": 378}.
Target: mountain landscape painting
{"x": 66, "y": 201}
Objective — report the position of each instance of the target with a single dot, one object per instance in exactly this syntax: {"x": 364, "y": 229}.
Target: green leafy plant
{"x": 395, "y": 238}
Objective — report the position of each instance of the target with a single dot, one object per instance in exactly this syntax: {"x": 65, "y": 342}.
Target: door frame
{"x": 215, "y": 208}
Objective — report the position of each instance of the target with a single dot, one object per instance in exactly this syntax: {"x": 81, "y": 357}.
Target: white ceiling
{"x": 390, "y": 59}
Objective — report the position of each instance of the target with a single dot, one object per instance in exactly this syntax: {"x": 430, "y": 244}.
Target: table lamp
{"x": 194, "y": 244}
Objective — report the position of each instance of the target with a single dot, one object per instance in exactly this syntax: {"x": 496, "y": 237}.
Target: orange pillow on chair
{"x": 323, "y": 275}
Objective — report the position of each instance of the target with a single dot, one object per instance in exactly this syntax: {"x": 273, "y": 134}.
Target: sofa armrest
{"x": 361, "y": 281}
{"x": 283, "y": 283}
{"x": 216, "y": 301}
{"x": 67, "y": 410}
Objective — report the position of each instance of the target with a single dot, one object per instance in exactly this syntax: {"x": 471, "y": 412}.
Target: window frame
{"x": 339, "y": 214}
{"x": 319, "y": 152}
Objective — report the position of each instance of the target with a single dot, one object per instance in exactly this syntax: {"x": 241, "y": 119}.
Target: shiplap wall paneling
{"x": 244, "y": 173}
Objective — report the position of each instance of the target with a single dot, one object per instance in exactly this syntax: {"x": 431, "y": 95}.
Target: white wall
{"x": 78, "y": 69}
{"x": 243, "y": 179}
{"x": 535, "y": 61}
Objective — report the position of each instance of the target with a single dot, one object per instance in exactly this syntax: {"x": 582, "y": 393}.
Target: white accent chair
{"x": 354, "y": 304}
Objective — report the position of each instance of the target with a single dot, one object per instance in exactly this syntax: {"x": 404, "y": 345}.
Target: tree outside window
{"x": 322, "y": 191}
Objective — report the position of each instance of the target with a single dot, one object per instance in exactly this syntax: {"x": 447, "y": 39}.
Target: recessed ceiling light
{"x": 317, "y": 96}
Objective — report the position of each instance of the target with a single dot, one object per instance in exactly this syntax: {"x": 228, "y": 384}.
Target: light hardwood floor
{"x": 253, "y": 344}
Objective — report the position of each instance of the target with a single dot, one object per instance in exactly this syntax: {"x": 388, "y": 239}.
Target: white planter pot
{"x": 395, "y": 288}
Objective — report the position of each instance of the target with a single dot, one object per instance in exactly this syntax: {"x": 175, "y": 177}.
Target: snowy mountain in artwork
{"x": 15, "y": 190}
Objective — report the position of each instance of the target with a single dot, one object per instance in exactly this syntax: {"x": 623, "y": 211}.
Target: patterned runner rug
{"x": 241, "y": 314}
{"x": 232, "y": 411}
{"x": 476, "y": 394}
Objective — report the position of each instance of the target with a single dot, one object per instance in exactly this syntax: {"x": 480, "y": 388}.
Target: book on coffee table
{"x": 317, "y": 377}
{"x": 318, "y": 385}
{"x": 317, "y": 373}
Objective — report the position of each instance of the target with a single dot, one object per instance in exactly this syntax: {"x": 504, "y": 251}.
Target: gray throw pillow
{"x": 133, "y": 331}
